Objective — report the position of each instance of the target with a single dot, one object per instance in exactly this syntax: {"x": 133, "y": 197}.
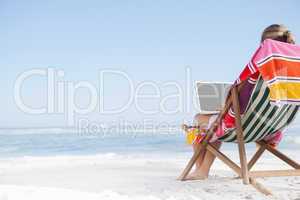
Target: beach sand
{"x": 114, "y": 177}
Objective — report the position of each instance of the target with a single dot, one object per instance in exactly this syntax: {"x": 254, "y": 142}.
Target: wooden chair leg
{"x": 275, "y": 173}
{"x": 260, "y": 187}
{"x": 280, "y": 155}
{"x": 256, "y": 156}
{"x": 240, "y": 137}
{"x": 224, "y": 159}
{"x": 244, "y": 165}
{"x": 237, "y": 169}
{"x": 199, "y": 151}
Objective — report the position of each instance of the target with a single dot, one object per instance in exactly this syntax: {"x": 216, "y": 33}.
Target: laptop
{"x": 212, "y": 96}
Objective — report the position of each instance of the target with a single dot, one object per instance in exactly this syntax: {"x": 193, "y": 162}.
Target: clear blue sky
{"x": 149, "y": 40}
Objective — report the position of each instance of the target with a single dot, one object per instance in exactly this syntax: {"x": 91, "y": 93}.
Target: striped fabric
{"x": 279, "y": 65}
{"x": 262, "y": 118}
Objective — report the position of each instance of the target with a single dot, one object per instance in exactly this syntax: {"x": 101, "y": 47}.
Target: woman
{"x": 204, "y": 162}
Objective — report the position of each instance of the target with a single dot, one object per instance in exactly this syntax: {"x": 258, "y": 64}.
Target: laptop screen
{"x": 212, "y": 96}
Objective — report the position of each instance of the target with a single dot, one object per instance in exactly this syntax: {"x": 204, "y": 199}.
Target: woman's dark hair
{"x": 278, "y": 32}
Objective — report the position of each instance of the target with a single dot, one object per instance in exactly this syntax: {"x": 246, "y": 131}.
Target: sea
{"x": 57, "y": 142}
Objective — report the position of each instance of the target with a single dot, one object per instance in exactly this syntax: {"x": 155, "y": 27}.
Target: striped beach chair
{"x": 261, "y": 118}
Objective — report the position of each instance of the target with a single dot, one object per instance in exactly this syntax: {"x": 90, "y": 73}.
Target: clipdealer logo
{"x": 61, "y": 94}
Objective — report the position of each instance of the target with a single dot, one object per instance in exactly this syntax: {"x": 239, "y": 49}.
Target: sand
{"x": 122, "y": 177}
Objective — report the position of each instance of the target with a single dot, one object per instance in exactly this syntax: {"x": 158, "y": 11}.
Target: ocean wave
{"x": 23, "y": 131}
{"x": 106, "y": 132}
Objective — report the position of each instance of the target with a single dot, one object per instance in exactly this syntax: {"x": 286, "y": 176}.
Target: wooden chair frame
{"x": 243, "y": 171}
